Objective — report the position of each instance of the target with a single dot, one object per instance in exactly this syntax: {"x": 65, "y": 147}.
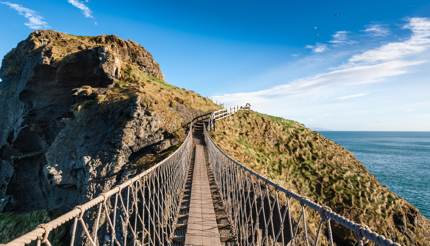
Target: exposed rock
{"x": 6, "y": 172}
{"x": 75, "y": 110}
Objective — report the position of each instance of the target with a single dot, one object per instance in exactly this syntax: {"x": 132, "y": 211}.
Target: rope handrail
{"x": 144, "y": 209}
{"x": 227, "y": 172}
{"x": 126, "y": 199}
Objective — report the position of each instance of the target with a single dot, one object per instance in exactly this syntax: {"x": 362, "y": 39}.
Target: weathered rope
{"x": 142, "y": 208}
{"x": 260, "y": 217}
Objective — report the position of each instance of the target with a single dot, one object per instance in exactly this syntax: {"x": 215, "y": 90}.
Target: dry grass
{"x": 176, "y": 106}
{"x": 140, "y": 83}
{"x": 311, "y": 165}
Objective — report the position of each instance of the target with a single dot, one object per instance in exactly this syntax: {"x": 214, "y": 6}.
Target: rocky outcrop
{"x": 75, "y": 110}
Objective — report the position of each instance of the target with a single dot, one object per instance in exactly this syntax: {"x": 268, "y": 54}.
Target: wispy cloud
{"x": 344, "y": 75}
{"x": 34, "y": 20}
{"x": 352, "y": 96}
{"x": 86, "y": 11}
{"x": 377, "y": 30}
{"x": 417, "y": 43}
{"x": 374, "y": 65}
{"x": 317, "y": 48}
{"x": 359, "y": 72}
{"x": 340, "y": 37}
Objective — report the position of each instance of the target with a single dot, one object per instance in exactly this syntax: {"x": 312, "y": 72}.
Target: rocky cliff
{"x": 81, "y": 114}
{"x": 311, "y": 165}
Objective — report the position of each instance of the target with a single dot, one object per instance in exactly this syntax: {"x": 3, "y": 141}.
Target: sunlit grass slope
{"x": 307, "y": 163}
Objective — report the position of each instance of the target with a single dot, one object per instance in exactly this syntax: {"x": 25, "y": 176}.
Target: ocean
{"x": 399, "y": 160}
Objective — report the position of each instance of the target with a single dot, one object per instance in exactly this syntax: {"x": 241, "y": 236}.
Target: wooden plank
{"x": 202, "y": 227}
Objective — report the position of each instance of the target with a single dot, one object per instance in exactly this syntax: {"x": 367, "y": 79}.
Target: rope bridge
{"x": 265, "y": 213}
{"x": 141, "y": 211}
{"x": 147, "y": 209}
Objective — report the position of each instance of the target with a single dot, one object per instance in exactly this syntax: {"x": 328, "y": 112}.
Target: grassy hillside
{"x": 168, "y": 101}
{"x": 13, "y": 225}
{"x": 89, "y": 95}
{"x": 307, "y": 163}
{"x": 176, "y": 106}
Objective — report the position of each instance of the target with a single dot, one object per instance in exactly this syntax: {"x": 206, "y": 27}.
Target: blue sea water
{"x": 399, "y": 160}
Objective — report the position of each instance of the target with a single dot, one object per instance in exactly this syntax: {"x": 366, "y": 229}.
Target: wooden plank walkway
{"x": 202, "y": 227}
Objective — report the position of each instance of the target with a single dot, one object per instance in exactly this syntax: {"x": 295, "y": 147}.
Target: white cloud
{"x": 371, "y": 66}
{"x": 86, "y": 11}
{"x": 314, "y": 94}
{"x": 340, "y": 37}
{"x": 345, "y": 75}
{"x": 377, "y": 30}
{"x": 417, "y": 43}
{"x": 34, "y": 20}
{"x": 317, "y": 48}
{"x": 353, "y": 96}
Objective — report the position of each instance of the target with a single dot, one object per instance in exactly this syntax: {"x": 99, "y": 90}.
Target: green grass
{"x": 13, "y": 225}
{"x": 309, "y": 164}
{"x": 138, "y": 86}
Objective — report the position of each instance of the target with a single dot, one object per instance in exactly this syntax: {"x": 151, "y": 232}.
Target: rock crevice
{"x": 75, "y": 113}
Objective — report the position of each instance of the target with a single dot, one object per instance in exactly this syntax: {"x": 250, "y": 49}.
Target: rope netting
{"x": 262, "y": 212}
{"x": 141, "y": 211}
{"x": 144, "y": 209}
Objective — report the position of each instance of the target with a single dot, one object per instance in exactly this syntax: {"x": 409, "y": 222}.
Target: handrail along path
{"x": 262, "y": 212}
{"x": 144, "y": 210}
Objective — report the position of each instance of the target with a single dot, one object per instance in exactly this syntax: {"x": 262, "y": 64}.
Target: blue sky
{"x": 341, "y": 65}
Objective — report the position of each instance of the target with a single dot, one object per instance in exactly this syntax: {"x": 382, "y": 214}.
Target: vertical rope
{"x": 260, "y": 222}
{"x": 253, "y": 203}
{"x": 112, "y": 218}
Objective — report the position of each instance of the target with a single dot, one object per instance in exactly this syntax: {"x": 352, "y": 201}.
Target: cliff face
{"x": 313, "y": 166}
{"x": 81, "y": 114}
